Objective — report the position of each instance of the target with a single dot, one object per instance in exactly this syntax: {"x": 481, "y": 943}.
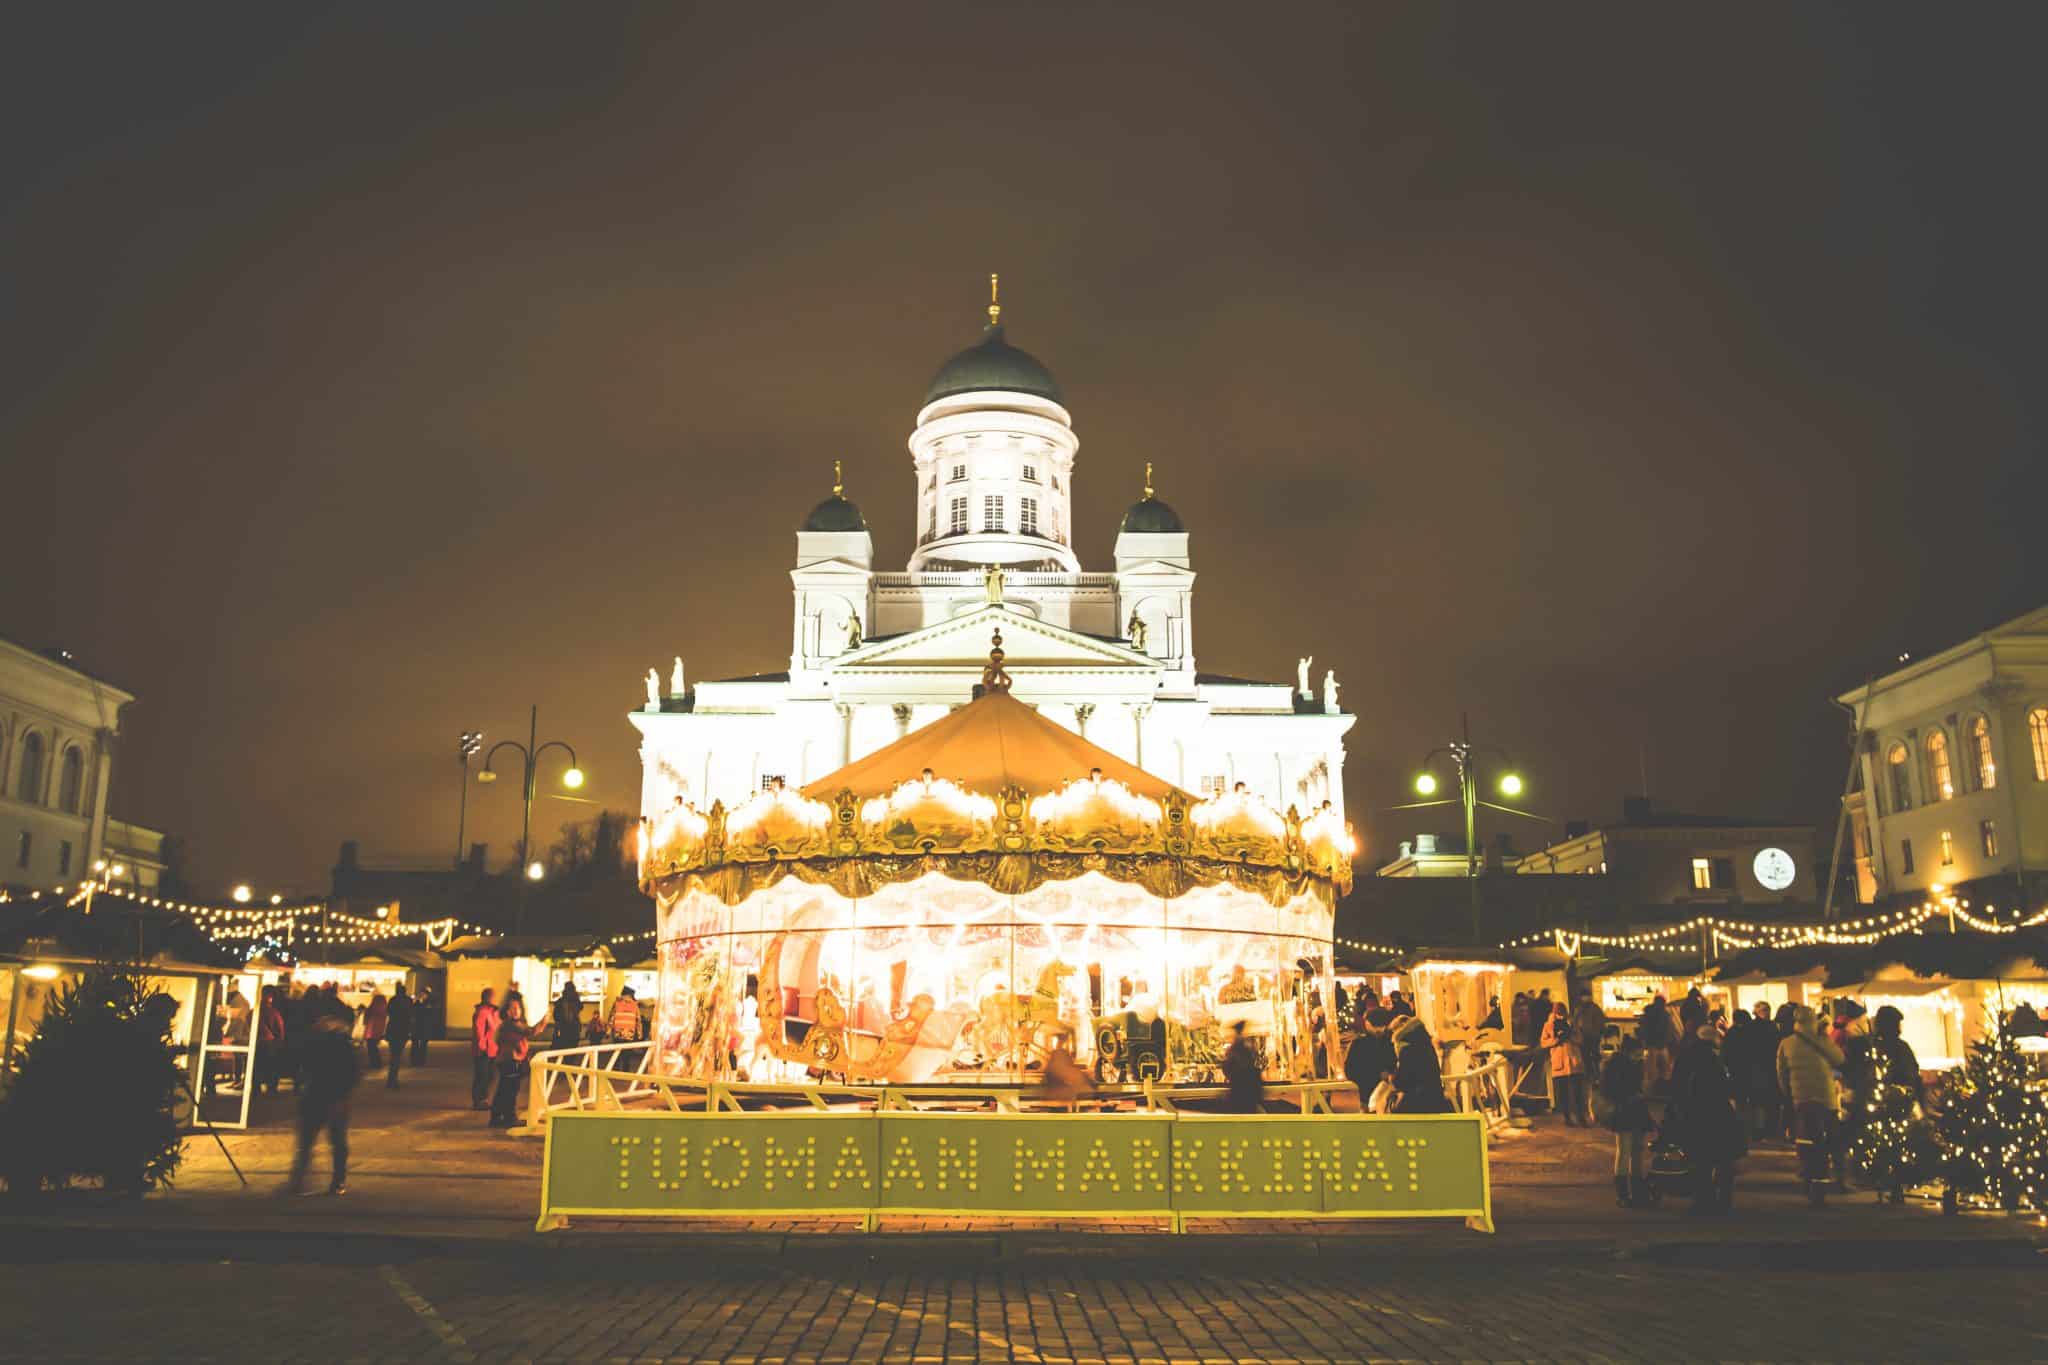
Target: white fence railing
{"x": 615, "y": 1076}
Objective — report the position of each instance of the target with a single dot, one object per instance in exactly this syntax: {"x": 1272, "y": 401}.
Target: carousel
{"x": 956, "y": 906}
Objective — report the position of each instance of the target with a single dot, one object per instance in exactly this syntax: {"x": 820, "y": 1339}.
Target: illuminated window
{"x": 956, "y": 524}
{"x": 1987, "y": 834}
{"x": 29, "y": 786}
{"x": 992, "y": 512}
{"x": 1948, "y": 849}
{"x": 1031, "y": 473}
{"x": 1027, "y": 516}
{"x": 1941, "y": 784}
{"x": 1702, "y": 874}
{"x": 1902, "y": 782}
{"x": 1980, "y": 753}
{"x": 1906, "y": 856}
{"x": 71, "y": 781}
{"x": 2037, "y": 728}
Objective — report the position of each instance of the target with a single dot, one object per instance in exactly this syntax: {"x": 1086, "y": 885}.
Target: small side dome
{"x": 836, "y": 513}
{"x": 1150, "y": 516}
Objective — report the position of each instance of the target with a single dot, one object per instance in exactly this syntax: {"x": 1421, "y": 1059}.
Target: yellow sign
{"x": 1172, "y": 1166}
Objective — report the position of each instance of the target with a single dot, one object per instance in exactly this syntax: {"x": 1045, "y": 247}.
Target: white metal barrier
{"x": 616, "y": 1076}
{"x": 1483, "y": 1090}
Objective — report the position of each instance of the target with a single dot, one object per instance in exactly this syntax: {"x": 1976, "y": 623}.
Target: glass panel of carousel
{"x": 695, "y": 1010}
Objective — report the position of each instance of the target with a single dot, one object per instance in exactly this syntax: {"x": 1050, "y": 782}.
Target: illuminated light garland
{"x": 1739, "y": 934}
{"x": 1385, "y": 949}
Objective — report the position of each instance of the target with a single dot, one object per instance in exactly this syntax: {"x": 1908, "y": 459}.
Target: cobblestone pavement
{"x": 620, "y": 1308}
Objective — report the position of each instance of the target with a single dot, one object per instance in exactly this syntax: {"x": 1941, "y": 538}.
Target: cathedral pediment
{"x": 963, "y": 643}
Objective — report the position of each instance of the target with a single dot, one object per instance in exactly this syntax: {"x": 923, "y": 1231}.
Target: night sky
{"x": 1632, "y": 377}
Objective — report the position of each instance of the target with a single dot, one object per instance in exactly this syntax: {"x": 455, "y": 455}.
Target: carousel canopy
{"x": 993, "y": 743}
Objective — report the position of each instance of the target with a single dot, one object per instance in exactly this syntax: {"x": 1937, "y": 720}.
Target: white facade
{"x": 1954, "y": 757}
{"x": 875, "y": 655}
{"x": 57, "y": 732}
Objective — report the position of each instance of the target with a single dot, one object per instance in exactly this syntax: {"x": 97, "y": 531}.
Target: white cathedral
{"x": 875, "y": 655}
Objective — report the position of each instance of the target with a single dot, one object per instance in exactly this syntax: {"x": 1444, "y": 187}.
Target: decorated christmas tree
{"x": 1993, "y": 1130}
{"x": 1896, "y": 1146}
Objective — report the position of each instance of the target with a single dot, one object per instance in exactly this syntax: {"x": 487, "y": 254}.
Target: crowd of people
{"x": 1703, "y": 1087}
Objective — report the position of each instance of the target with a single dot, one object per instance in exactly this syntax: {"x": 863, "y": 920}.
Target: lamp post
{"x": 1464, "y": 756}
{"x": 530, "y": 751}
{"x": 465, "y": 749}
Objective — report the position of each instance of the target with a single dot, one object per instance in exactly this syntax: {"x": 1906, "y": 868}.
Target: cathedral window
{"x": 1031, "y": 473}
{"x": 2037, "y": 731}
{"x": 992, "y": 512}
{"x": 959, "y": 473}
{"x": 957, "y": 521}
{"x": 1055, "y": 483}
{"x": 1213, "y": 786}
{"x": 1027, "y": 516}
{"x": 931, "y": 519}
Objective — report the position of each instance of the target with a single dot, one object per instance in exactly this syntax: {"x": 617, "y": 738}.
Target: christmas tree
{"x": 1896, "y": 1146}
{"x": 1993, "y": 1130}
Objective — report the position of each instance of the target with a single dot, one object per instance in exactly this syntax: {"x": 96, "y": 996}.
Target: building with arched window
{"x": 58, "y": 727}
{"x": 1954, "y": 778}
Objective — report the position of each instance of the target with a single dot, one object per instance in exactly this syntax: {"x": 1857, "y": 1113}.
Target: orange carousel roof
{"x": 993, "y": 742}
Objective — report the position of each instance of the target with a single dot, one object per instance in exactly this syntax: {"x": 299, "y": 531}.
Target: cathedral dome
{"x": 993, "y": 363}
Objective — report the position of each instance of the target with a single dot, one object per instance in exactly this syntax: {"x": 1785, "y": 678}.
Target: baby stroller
{"x": 1670, "y": 1167}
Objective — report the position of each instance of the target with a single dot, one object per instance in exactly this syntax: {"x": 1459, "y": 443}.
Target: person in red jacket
{"x": 483, "y": 1050}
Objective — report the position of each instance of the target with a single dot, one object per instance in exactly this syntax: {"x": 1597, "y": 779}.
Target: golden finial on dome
{"x": 838, "y": 480}
{"x": 1148, "y": 478}
{"x": 995, "y": 307}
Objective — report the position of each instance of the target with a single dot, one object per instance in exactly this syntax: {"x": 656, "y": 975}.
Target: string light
{"x": 1741, "y": 934}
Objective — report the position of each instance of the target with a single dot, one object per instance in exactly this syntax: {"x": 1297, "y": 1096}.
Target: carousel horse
{"x": 1034, "y": 1020}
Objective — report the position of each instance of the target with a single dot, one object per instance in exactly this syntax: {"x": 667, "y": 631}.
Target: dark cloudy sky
{"x": 1631, "y": 376}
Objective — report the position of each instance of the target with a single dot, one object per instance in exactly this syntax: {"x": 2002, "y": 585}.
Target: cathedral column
{"x": 845, "y": 711}
{"x": 1138, "y": 714}
{"x": 1081, "y": 715}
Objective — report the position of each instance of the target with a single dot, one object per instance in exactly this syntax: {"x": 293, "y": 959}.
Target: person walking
{"x": 1703, "y": 1113}
{"x": 1418, "y": 1071}
{"x": 398, "y": 1026}
{"x": 1806, "y": 1077}
{"x": 423, "y": 1019}
{"x": 1567, "y": 1065}
{"x": 1627, "y": 1116}
{"x": 269, "y": 1042}
{"x": 483, "y": 1050}
{"x": 374, "y": 1020}
{"x": 327, "y": 1082}
{"x": 513, "y": 1040}
{"x": 1246, "y": 1087}
{"x": 1370, "y": 1061}
{"x": 568, "y": 1017}
{"x": 625, "y": 1017}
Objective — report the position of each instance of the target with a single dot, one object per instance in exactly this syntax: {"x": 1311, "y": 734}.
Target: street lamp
{"x": 465, "y": 749}
{"x": 530, "y": 752}
{"x": 1464, "y": 756}
{"x": 241, "y": 894}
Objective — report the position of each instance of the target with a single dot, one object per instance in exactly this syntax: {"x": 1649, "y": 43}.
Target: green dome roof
{"x": 835, "y": 514}
{"x": 993, "y": 363}
{"x": 1150, "y": 516}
